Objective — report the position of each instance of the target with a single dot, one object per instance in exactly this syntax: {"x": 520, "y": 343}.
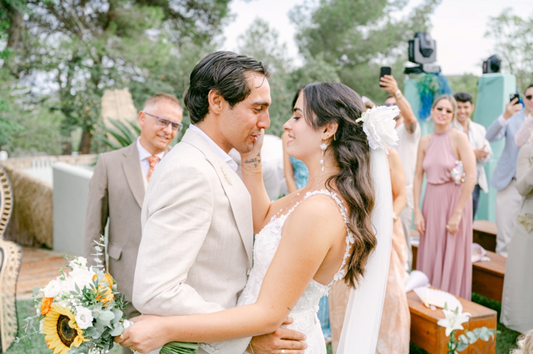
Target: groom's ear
{"x": 216, "y": 101}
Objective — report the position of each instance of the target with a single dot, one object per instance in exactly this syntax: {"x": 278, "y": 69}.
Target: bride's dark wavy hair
{"x": 332, "y": 102}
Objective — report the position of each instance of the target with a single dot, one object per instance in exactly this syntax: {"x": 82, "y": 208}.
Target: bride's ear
{"x": 329, "y": 130}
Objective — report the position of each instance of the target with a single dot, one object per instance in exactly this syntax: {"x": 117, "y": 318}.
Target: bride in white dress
{"x": 338, "y": 227}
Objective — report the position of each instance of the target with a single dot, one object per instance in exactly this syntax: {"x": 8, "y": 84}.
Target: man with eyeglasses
{"x": 508, "y": 200}
{"x": 408, "y": 137}
{"x": 117, "y": 188}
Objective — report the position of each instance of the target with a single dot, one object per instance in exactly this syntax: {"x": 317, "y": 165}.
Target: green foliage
{"x": 122, "y": 135}
{"x": 358, "y": 37}
{"x": 464, "y": 83}
{"x": 262, "y": 42}
{"x": 514, "y": 42}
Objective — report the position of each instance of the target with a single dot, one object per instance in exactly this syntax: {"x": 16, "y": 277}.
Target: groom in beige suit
{"x": 117, "y": 188}
{"x": 197, "y": 238}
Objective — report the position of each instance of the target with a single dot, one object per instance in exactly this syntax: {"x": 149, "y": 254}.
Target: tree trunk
{"x": 85, "y": 144}
{"x": 14, "y": 28}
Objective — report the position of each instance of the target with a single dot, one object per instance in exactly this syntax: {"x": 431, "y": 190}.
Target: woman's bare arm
{"x": 399, "y": 194}
{"x": 303, "y": 250}
{"x": 417, "y": 183}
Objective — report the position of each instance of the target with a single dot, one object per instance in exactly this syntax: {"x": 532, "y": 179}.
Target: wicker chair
{"x": 10, "y": 260}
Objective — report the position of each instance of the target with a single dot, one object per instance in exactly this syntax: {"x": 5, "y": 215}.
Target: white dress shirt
{"x": 216, "y": 149}
{"x": 143, "y": 160}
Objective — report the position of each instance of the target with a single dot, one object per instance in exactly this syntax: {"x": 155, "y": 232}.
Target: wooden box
{"x": 428, "y": 335}
{"x": 488, "y": 276}
{"x": 485, "y": 234}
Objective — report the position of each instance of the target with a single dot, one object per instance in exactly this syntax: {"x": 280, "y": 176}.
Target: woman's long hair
{"x": 333, "y": 102}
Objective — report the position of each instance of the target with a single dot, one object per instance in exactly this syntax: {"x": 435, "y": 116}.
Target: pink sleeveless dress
{"x": 445, "y": 258}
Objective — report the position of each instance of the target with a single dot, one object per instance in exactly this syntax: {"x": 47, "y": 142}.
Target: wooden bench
{"x": 485, "y": 234}
{"x": 487, "y": 276}
{"x": 428, "y": 335}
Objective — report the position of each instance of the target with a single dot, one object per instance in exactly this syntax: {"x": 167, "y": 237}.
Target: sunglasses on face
{"x": 390, "y": 104}
{"x": 163, "y": 122}
{"x": 440, "y": 109}
{"x": 529, "y": 97}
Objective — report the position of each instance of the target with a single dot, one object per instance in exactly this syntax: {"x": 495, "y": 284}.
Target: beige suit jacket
{"x": 116, "y": 193}
{"x": 197, "y": 237}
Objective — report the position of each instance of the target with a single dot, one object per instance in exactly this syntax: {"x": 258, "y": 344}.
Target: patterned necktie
{"x": 153, "y": 161}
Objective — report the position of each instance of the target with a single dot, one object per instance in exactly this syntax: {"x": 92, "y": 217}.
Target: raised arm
{"x": 304, "y": 246}
{"x": 97, "y": 209}
{"x": 523, "y": 135}
{"x": 420, "y": 224}
{"x": 466, "y": 155}
{"x": 498, "y": 128}
{"x": 399, "y": 194}
{"x": 389, "y": 83}
{"x": 252, "y": 176}
{"x": 287, "y": 166}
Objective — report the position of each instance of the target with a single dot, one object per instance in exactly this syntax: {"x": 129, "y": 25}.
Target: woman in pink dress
{"x": 445, "y": 221}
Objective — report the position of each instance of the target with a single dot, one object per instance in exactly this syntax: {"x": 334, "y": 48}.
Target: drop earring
{"x": 323, "y": 147}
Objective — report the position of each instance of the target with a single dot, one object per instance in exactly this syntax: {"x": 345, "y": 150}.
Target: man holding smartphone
{"x": 408, "y": 137}
{"x": 508, "y": 199}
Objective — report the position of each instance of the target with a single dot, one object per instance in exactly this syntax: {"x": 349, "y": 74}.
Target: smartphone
{"x": 385, "y": 70}
{"x": 512, "y": 96}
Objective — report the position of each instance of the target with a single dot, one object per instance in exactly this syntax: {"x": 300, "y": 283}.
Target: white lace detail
{"x": 304, "y": 312}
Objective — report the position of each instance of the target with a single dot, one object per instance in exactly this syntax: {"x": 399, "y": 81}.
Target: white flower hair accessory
{"x": 379, "y": 126}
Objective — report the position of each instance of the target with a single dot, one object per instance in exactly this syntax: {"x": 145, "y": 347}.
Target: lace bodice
{"x": 266, "y": 244}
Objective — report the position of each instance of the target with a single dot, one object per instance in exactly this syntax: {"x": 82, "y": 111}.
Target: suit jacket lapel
{"x": 235, "y": 189}
{"x": 132, "y": 169}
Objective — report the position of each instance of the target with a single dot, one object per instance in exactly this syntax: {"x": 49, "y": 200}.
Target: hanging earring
{"x": 323, "y": 147}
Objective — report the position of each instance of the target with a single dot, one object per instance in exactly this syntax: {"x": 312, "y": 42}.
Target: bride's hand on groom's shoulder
{"x": 144, "y": 335}
{"x": 291, "y": 341}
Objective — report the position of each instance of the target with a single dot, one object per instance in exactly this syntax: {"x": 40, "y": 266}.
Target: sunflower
{"x": 61, "y": 331}
{"x": 46, "y": 304}
{"x": 105, "y": 294}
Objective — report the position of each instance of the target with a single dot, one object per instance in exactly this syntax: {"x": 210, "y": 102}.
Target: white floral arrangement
{"x": 80, "y": 312}
{"x": 379, "y": 126}
{"x": 454, "y": 321}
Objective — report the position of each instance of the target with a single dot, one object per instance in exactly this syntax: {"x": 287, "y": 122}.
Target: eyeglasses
{"x": 529, "y": 97}
{"x": 163, "y": 122}
{"x": 390, "y": 104}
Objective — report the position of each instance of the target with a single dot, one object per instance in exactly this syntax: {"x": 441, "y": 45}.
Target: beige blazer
{"x": 197, "y": 237}
{"x": 116, "y": 192}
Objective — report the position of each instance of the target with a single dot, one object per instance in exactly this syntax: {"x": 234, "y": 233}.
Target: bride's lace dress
{"x": 305, "y": 310}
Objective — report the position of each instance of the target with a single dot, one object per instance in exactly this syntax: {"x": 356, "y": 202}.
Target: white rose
{"x": 78, "y": 263}
{"x": 41, "y": 330}
{"x": 379, "y": 126}
{"x": 82, "y": 277}
{"x": 84, "y": 317}
{"x": 53, "y": 288}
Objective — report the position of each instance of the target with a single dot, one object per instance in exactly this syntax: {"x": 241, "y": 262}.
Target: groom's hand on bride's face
{"x": 287, "y": 339}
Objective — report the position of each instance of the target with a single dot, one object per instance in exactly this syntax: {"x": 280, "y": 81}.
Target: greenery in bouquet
{"x": 79, "y": 311}
{"x": 453, "y": 321}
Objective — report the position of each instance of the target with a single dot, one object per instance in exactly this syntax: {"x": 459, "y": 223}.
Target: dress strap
{"x": 349, "y": 236}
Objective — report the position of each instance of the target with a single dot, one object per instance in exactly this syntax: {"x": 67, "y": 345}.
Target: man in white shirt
{"x": 481, "y": 146}
{"x": 408, "y": 137}
{"x": 117, "y": 188}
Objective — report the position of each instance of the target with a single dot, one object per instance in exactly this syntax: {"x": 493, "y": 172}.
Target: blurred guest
{"x": 445, "y": 221}
{"x": 525, "y": 344}
{"x": 397, "y": 319}
{"x": 116, "y": 191}
{"x": 517, "y": 312}
{"x": 524, "y": 134}
{"x": 503, "y": 178}
{"x": 368, "y": 102}
{"x": 409, "y": 135}
{"x": 476, "y": 136}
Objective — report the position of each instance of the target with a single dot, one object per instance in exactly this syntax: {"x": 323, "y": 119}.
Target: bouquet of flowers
{"x": 82, "y": 311}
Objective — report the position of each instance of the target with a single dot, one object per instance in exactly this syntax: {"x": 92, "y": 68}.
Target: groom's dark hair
{"x": 224, "y": 72}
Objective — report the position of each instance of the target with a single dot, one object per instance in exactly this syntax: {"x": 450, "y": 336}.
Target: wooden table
{"x": 428, "y": 335}
{"x": 485, "y": 234}
{"x": 487, "y": 277}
